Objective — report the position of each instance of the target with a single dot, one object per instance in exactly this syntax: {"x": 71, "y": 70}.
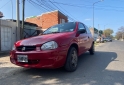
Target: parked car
{"x": 100, "y": 40}
{"x": 58, "y": 46}
{"x": 108, "y": 39}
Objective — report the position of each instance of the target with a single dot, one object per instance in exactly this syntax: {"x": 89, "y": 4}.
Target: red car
{"x": 58, "y": 46}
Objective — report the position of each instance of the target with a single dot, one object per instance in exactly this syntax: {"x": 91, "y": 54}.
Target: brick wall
{"x": 61, "y": 16}
{"x": 49, "y": 19}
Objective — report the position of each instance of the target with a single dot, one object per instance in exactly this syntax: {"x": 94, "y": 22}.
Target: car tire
{"x": 72, "y": 60}
{"x": 92, "y": 49}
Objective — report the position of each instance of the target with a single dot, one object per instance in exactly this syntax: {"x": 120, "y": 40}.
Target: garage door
{"x": 6, "y": 38}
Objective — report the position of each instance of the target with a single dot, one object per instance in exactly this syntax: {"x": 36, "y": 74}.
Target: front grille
{"x": 26, "y": 48}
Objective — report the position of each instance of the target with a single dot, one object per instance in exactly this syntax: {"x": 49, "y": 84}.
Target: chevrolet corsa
{"x": 59, "y": 46}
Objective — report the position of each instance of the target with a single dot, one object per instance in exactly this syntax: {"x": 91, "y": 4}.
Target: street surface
{"x": 106, "y": 67}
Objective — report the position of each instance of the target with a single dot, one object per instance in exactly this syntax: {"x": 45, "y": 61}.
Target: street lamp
{"x": 104, "y": 28}
{"x": 93, "y": 13}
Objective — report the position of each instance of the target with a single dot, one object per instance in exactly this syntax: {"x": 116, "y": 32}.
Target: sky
{"x": 107, "y": 13}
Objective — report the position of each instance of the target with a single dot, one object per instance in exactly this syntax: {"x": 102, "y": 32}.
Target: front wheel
{"x": 92, "y": 49}
{"x": 72, "y": 60}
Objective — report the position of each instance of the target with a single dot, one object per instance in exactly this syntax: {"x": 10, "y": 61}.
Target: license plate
{"x": 22, "y": 58}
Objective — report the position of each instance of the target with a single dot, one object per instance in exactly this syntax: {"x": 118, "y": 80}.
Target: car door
{"x": 83, "y": 39}
{"x": 90, "y": 38}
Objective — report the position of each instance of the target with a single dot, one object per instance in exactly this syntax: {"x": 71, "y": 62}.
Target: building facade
{"x": 9, "y": 33}
{"x": 48, "y": 19}
{"x": 94, "y": 33}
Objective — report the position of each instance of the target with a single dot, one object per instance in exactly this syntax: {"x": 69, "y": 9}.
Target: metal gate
{"x": 30, "y": 33}
{"x": 6, "y": 38}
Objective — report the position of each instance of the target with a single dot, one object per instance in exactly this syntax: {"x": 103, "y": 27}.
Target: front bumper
{"x": 41, "y": 59}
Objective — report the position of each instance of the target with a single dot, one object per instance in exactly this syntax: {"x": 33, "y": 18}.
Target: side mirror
{"x": 82, "y": 31}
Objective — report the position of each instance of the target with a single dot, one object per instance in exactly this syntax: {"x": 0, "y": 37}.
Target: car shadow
{"x": 91, "y": 71}
{"x": 5, "y": 54}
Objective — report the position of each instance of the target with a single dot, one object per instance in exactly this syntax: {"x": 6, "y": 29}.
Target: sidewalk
{"x": 4, "y": 54}
{"x": 6, "y": 67}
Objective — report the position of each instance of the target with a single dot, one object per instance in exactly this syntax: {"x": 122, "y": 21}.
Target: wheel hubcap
{"x": 74, "y": 59}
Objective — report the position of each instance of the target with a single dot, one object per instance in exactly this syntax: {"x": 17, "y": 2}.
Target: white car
{"x": 108, "y": 39}
{"x": 100, "y": 40}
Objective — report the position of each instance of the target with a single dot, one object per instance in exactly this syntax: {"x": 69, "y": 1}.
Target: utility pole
{"x": 123, "y": 36}
{"x": 18, "y": 20}
{"x": 23, "y": 16}
{"x": 98, "y": 30}
{"x": 93, "y": 13}
{"x": 12, "y": 9}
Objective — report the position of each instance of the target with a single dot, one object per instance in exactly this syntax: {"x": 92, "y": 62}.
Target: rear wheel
{"x": 72, "y": 60}
{"x": 92, "y": 49}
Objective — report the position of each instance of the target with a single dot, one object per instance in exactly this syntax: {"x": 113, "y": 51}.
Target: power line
{"x": 63, "y": 12}
{"x": 58, "y": 9}
{"x": 35, "y": 4}
{"x": 45, "y": 5}
{"x": 40, "y": 5}
{"x": 88, "y": 6}
{"x": 5, "y": 4}
{"x": 80, "y": 5}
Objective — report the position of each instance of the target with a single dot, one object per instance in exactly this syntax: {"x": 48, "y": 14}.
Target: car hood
{"x": 38, "y": 40}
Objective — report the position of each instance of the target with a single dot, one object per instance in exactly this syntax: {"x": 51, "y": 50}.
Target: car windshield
{"x": 65, "y": 27}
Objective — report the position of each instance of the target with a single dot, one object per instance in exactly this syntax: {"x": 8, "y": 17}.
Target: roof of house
{"x": 26, "y": 23}
{"x": 46, "y": 13}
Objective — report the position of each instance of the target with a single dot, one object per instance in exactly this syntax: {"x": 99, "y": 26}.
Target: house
{"x": 30, "y": 29}
{"x": 9, "y": 33}
{"x": 1, "y": 14}
{"x": 94, "y": 33}
{"x": 48, "y": 19}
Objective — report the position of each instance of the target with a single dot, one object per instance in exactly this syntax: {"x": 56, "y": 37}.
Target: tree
{"x": 108, "y": 32}
{"x": 95, "y": 30}
{"x": 121, "y": 29}
{"x": 100, "y": 32}
{"x": 111, "y": 36}
{"x": 120, "y": 33}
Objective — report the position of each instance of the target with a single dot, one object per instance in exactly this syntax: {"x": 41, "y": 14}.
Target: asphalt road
{"x": 106, "y": 67}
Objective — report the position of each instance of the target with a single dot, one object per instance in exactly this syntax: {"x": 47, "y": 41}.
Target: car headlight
{"x": 49, "y": 45}
{"x": 13, "y": 48}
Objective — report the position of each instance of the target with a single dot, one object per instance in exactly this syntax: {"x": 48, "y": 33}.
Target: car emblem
{"x": 23, "y": 49}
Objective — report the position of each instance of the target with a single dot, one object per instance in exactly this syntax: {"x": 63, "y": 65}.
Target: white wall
{"x": 13, "y": 35}
{"x": 95, "y": 36}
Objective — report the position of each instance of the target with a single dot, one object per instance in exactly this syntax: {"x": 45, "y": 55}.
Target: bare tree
{"x": 120, "y": 33}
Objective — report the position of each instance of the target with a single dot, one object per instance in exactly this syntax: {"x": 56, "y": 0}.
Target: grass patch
{"x": 96, "y": 44}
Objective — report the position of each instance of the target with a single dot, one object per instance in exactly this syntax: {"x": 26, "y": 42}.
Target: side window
{"x": 80, "y": 26}
{"x": 87, "y": 29}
